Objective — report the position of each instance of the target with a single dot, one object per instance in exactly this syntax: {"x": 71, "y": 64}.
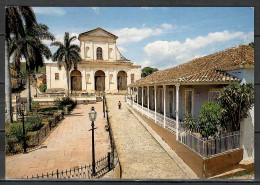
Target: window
{"x": 99, "y": 53}
{"x": 56, "y": 76}
{"x": 213, "y": 95}
{"x": 189, "y": 101}
{"x": 132, "y": 78}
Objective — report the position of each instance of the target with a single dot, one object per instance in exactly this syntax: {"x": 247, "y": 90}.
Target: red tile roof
{"x": 207, "y": 69}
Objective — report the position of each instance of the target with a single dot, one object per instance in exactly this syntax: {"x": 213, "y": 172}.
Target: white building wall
{"x": 247, "y": 135}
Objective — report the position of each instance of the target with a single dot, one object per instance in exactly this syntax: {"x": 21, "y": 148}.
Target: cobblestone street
{"x": 140, "y": 155}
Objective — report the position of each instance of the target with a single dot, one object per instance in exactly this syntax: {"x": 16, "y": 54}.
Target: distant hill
{"x": 40, "y": 69}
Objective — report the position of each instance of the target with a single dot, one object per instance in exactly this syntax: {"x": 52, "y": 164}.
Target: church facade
{"x": 103, "y": 67}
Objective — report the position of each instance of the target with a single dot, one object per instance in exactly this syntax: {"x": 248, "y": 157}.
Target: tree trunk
{"x": 8, "y": 86}
{"x": 68, "y": 83}
{"x": 28, "y": 86}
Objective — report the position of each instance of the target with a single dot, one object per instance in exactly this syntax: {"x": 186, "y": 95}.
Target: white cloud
{"x": 164, "y": 54}
{"x": 49, "y": 11}
{"x": 146, "y": 8}
{"x": 167, "y": 26}
{"x": 96, "y": 10}
{"x": 128, "y": 35}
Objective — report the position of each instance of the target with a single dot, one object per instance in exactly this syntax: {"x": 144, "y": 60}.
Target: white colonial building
{"x": 102, "y": 68}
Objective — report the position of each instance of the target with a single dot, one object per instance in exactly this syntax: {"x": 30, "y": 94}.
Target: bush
{"x": 43, "y": 88}
{"x": 190, "y": 122}
{"x": 235, "y": 101}
{"x": 61, "y": 103}
{"x": 34, "y": 104}
{"x": 209, "y": 118}
{"x": 33, "y": 123}
{"x": 16, "y": 132}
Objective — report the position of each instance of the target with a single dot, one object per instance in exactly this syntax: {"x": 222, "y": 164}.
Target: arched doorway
{"x": 76, "y": 80}
{"x": 121, "y": 80}
{"x": 99, "y": 81}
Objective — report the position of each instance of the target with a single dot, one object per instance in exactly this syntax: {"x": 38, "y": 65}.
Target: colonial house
{"x": 166, "y": 96}
{"x": 103, "y": 67}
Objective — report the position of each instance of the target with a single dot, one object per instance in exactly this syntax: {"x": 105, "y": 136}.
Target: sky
{"x": 160, "y": 37}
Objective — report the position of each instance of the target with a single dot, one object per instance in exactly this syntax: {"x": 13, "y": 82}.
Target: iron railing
{"x": 203, "y": 147}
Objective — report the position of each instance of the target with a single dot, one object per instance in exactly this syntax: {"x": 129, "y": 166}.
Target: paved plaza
{"x": 68, "y": 146}
{"x": 141, "y": 156}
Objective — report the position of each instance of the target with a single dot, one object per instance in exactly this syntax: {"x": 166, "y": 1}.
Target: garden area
{"x": 38, "y": 124}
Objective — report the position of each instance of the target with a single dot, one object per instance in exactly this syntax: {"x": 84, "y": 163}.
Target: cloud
{"x": 146, "y": 8}
{"x": 164, "y": 54}
{"x": 96, "y": 10}
{"x": 168, "y": 26}
{"x": 128, "y": 35}
{"x": 49, "y": 11}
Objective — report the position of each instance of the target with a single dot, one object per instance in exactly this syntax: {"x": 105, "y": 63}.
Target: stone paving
{"x": 68, "y": 146}
{"x": 140, "y": 155}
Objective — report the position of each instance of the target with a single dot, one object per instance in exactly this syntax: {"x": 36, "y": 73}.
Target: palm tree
{"x": 67, "y": 55}
{"x": 15, "y": 19}
{"x": 30, "y": 47}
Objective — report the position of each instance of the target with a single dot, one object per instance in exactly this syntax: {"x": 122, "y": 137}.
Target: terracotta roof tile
{"x": 210, "y": 68}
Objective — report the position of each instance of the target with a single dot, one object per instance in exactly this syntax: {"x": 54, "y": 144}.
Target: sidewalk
{"x": 67, "y": 147}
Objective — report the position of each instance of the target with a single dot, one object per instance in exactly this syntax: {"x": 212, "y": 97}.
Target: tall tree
{"x": 15, "y": 18}
{"x": 147, "y": 71}
{"x": 30, "y": 47}
{"x": 67, "y": 55}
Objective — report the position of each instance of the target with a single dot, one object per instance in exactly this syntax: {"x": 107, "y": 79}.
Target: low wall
{"x": 204, "y": 168}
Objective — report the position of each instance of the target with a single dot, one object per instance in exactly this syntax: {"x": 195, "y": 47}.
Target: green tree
{"x": 235, "y": 101}
{"x": 15, "y": 19}
{"x": 252, "y": 44}
{"x": 67, "y": 55}
{"x": 209, "y": 119}
{"x": 147, "y": 71}
{"x": 30, "y": 47}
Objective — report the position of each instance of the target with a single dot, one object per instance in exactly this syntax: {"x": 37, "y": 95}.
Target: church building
{"x": 103, "y": 67}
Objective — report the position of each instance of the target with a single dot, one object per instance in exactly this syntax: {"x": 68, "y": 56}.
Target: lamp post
{"x": 92, "y": 116}
{"x": 21, "y": 112}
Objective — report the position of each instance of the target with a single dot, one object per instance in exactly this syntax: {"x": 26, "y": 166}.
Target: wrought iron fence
{"x": 45, "y": 130}
{"x": 102, "y": 166}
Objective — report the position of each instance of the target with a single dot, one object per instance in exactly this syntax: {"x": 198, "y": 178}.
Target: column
{"x": 155, "y": 108}
{"x": 137, "y": 95}
{"x": 107, "y": 87}
{"x": 177, "y": 110}
{"x": 148, "y": 100}
{"x": 142, "y": 100}
{"x": 84, "y": 82}
{"x": 164, "y": 106}
{"x": 92, "y": 81}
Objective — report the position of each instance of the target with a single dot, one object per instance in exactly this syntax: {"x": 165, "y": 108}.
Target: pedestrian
{"x": 119, "y": 105}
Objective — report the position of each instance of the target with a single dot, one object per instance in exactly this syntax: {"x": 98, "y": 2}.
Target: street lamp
{"x": 104, "y": 104}
{"x": 21, "y": 112}
{"x": 92, "y": 117}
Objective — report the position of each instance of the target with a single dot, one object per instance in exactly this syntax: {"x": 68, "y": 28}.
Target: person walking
{"x": 119, "y": 105}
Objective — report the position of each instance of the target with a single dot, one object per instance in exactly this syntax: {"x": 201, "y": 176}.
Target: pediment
{"x": 99, "y": 32}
